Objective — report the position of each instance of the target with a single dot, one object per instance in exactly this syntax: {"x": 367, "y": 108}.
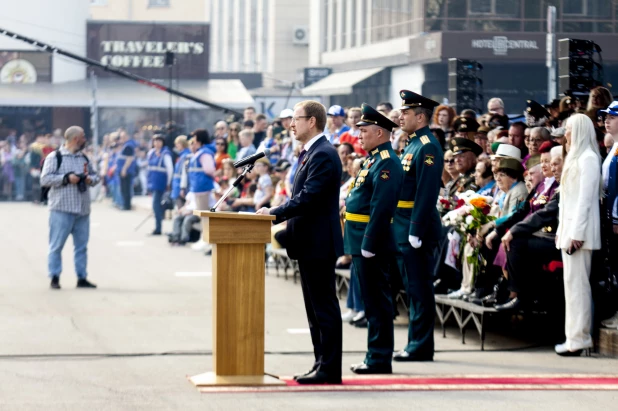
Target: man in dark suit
{"x": 314, "y": 238}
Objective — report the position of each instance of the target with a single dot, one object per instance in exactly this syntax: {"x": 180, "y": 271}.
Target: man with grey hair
{"x": 221, "y": 129}
{"x": 495, "y": 105}
{"x": 68, "y": 174}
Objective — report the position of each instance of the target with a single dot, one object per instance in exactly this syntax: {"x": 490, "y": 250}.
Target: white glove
{"x": 415, "y": 241}
{"x": 367, "y": 254}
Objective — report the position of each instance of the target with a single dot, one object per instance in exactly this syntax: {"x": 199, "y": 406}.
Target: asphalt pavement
{"x": 131, "y": 343}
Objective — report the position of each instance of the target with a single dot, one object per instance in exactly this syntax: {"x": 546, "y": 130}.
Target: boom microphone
{"x": 251, "y": 159}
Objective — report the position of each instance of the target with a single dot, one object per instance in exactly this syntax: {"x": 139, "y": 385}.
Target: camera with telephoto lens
{"x": 81, "y": 185}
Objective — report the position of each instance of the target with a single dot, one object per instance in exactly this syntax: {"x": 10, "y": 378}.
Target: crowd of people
{"x": 548, "y": 176}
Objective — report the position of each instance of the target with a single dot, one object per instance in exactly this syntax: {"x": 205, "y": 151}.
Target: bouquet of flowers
{"x": 467, "y": 218}
{"x": 447, "y": 204}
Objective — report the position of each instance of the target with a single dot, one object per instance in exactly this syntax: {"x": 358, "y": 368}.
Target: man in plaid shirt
{"x": 69, "y": 204}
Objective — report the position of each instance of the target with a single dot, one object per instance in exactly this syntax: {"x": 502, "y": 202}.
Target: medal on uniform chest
{"x": 542, "y": 200}
{"x": 406, "y": 162}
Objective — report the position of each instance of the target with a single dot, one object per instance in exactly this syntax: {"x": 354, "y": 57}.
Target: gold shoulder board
{"x": 385, "y": 154}
{"x": 425, "y": 140}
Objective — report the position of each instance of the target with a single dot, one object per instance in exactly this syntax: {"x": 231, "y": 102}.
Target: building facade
{"x": 406, "y": 44}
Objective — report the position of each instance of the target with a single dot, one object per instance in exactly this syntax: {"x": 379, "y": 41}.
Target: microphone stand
{"x": 236, "y": 183}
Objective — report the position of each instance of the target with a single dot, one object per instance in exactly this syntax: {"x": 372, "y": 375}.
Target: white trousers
{"x": 578, "y": 296}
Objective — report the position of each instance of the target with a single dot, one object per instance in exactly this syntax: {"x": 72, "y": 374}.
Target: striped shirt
{"x": 67, "y": 198}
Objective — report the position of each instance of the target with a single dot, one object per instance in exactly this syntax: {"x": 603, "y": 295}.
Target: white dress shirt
{"x": 311, "y": 142}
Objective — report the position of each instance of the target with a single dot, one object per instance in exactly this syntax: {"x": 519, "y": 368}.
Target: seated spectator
{"x": 466, "y": 127}
{"x": 352, "y": 167}
{"x": 530, "y": 241}
{"x": 443, "y": 117}
{"x": 245, "y": 201}
{"x": 557, "y": 135}
{"x": 351, "y": 136}
{"x": 509, "y": 178}
{"x": 484, "y": 178}
{"x": 265, "y": 190}
{"x": 344, "y": 150}
{"x": 397, "y": 132}
{"x": 465, "y": 152}
{"x": 282, "y": 192}
{"x": 336, "y": 115}
{"x": 450, "y": 173}
{"x": 184, "y": 221}
{"x": 269, "y": 143}
{"x": 233, "y": 140}
{"x": 538, "y": 135}
{"x": 246, "y": 145}
{"x": 221, "y": 153}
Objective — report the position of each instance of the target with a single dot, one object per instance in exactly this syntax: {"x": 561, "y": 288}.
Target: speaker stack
{"x": 580, "y": 66}
{"x": 465, "y": 85}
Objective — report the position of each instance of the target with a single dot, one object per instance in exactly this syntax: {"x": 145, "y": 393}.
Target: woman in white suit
{"x": 579, "y": 230}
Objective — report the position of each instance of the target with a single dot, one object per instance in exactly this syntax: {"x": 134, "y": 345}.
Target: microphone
{"x": 251, "y": 159}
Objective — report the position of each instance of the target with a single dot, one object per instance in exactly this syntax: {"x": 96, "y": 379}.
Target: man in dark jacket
{"x": 314, "y": 238}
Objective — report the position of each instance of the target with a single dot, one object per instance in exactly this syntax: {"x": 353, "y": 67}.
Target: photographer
{"x": 68, "y": 174}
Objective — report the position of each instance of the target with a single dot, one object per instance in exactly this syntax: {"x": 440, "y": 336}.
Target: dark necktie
{"x": 301, "y": 156}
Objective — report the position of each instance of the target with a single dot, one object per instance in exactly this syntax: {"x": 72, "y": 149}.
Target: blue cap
{"x": 337, "y": 111}
{"x": 612, "y": 109}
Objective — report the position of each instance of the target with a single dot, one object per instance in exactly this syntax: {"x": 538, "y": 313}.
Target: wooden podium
{"x": 238, "y": 242}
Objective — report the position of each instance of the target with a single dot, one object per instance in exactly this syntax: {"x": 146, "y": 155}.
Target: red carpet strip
{"x": 442, "y": 383}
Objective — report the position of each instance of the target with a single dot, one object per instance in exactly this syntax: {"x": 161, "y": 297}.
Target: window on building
{"x": 158, "y": 3}
{"x": 98, "y": 2}
{"x": 574, "y": 7}
{"x": 510, "y": 8}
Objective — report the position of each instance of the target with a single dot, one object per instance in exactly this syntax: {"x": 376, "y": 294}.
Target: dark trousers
{"x": 317, "y": 279}
{"x": 125, "y": 190}
{"x": 525, "y": 258}
{"x": 375, "y": 289}
{"x": 416, "y": 266}
{"x": 157, "y": 208}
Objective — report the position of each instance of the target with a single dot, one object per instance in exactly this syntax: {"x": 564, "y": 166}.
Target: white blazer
{"x": 579, "y": 216}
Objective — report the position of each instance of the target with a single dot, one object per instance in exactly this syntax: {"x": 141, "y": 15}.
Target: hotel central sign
{"x": 501, "y": 45}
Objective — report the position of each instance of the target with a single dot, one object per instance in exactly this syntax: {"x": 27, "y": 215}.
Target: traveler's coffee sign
{"x": 141, "y": 48}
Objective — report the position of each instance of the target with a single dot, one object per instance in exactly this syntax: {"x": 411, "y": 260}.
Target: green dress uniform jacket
{"x": 371, "y": 203}
{"x": 422, "y": 162}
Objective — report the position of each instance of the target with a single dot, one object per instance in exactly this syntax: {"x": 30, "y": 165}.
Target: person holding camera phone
{"x": 68, "y": 174}
{"x": 579, "y": 230}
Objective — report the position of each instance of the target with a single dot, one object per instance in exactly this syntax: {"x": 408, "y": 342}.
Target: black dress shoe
{"x": 404, "y": 356}
{"x": 83, "y": 283}
{"x": 512, "y": 304}
{"x": 297, "y": 376}
{"x": 371, "y": 369}
{"x": 319, "y": 377}
{"x": 155, "y": 232}
{"x": 55, "y": 283}
{"x": 362, "y": 323}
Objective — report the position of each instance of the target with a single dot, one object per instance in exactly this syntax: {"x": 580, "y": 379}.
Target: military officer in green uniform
{"x": 465, "y": 152}
{"x": 417, "y": 223}
{"x": 368, "y": 237}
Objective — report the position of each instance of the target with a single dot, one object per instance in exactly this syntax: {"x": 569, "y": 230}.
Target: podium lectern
{"x": 238, "y": 298}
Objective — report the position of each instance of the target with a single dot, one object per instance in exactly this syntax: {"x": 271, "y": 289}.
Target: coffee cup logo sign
{"x": 501, "y": 45}
{"x": 125, "y": 54}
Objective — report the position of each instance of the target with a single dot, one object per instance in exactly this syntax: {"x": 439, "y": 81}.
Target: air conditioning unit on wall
{"x": 301, "y": 35}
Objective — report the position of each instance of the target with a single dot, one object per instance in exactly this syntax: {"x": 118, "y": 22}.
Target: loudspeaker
{"x": 578, "y": 68}
{"x": 465, "y": 85}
